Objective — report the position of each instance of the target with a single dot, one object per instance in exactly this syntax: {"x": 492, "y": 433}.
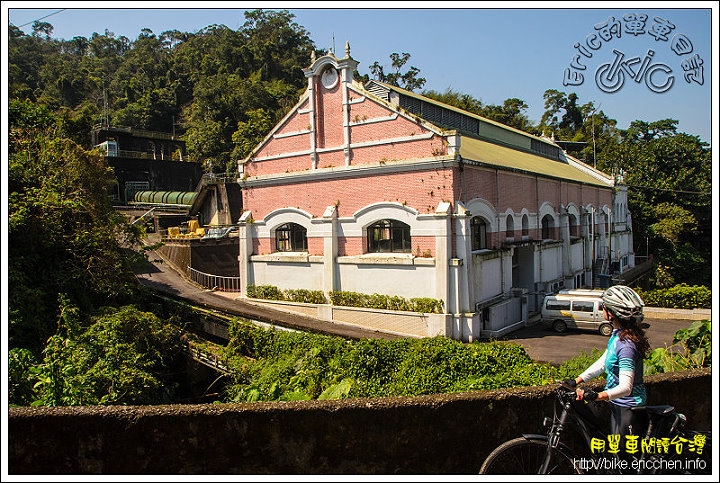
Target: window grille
{"x": 389, "y": 236}
{"x": 291, "y": 237}
{"x": 478, "y": 233}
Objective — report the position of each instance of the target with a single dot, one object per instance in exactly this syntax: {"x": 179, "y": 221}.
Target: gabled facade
{"x": 374, "y": 189}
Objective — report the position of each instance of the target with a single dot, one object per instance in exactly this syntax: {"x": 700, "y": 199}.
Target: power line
{"x": 46, "y": 16}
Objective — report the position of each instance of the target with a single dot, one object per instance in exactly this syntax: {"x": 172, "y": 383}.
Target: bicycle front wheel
{"x": 522, "y": 456}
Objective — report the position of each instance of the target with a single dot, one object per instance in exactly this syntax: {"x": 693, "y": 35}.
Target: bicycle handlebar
{"x": 565, "y": 386}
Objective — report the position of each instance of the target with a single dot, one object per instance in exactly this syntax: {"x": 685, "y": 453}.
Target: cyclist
{"x": 622, "y": 362}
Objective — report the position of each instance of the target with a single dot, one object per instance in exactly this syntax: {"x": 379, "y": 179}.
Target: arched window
{"x": 525, "y": 225}
{"x": 387, "y": 236}
{"x": 510, "y": 226}
{"x": 291, "y": 237}
{"x": 478, "y": 232}
{"x": 547, "y": 227}
{"x": 574, "y": 226}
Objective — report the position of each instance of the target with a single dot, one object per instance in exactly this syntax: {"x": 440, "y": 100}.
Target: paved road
{"x": 161, "y": 277}
{"x": 547, "y": 345}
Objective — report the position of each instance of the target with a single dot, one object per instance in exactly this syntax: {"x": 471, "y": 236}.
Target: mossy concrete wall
{"x": 438, "y": 434}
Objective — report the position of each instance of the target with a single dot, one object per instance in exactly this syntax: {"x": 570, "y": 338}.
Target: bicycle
{"x": 550, "y": 454}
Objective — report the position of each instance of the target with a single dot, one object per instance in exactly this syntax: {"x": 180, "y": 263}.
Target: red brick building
{"x": 374, "y": 189}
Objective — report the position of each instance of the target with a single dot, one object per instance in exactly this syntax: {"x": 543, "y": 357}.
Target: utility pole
{"x": 593, "y": 133}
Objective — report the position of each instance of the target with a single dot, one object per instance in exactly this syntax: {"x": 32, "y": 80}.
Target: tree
{"x": 572, "y": 119}
{"x": 63, "y": 234}
{"x": 26, "y": 56}
{"x": 511, "y": 113}
{"x": 408, "y": 80}
{"x": 124, "y": 356}
{"x": 466, "y": 102}
{"x": 669, "y": 177}
{"x": 234, "y": 74}
{"x": 42, "y": 28}
{"x": 249, "y": 134}
{"x": 279, "y": 47}
{"x": 562, "y": 117}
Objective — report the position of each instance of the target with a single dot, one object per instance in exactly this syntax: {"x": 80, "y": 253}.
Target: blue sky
{"x": 490, "y": 53}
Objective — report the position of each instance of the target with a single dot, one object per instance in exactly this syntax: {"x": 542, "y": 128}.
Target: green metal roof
{"x": 472, "y": 149}
{"x": 429, "y": 100}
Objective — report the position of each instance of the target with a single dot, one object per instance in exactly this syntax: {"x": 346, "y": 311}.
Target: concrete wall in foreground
{"x": 439, "y": 434}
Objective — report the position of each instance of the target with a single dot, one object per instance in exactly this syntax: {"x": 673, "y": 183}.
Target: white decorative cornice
{"x": 340, "y": 172}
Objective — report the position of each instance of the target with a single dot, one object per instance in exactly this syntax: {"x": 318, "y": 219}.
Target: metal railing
{"x": 214, "y": 282}
{"x": 174, "y": 156}
{"x": 219, "y": 177}
{"x": 207, "y": 358}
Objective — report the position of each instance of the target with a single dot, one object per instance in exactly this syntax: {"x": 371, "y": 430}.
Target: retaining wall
{"x": 666, "y": 313}
{"x": 438, "y": 434}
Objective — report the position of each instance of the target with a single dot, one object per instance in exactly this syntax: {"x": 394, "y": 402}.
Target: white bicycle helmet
{"x": 624, "y": 303}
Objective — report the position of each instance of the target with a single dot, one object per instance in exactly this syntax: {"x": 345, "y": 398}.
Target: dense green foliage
{"x": 72, "y": 338}
{"x": 669, "y": 175}
{"x": 680, "y": 296}
{"x": 281, "y": 365}
{"x": 121, "y": 356}
{"x": 64, "y": 235}
{"x": 221, "y": 89}
{"x": 691, "y": 348}
{"x": 273, "y": 365}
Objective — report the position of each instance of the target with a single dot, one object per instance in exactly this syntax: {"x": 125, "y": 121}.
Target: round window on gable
{"x": 329, "y": 77}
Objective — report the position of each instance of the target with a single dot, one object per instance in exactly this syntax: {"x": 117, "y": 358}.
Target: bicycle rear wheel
{"x": 522, "y": 456}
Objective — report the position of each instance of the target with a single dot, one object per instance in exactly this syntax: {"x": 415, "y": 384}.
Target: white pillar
{"x": 463, "y": 249}
{"x": 330, "y": 244}
{"x": 244, "y": 251}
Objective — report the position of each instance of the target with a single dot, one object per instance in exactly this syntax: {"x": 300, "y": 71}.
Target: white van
{"x": 575, "y": 309}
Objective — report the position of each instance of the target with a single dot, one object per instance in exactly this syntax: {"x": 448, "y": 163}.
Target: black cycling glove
{"x": 570, "y": 382}
{"x": 590, "y": 395}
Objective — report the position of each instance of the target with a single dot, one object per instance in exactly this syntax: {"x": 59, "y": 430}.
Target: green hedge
{"x": 270, "y": 292}
{"x": 423, "y": 305}
{"x": 680, "y": 296}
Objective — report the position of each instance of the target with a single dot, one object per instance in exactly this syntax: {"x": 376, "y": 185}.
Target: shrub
{"x": 267, "y": 292}
{"x": 680, "y": 296}
{"x": 424, "y": 305}
{"x": 386, "y": 302}
{"x": 292, "y": 365}
{"x": 694, "y": 352}
{"x": 305, "y": 296}
{"x": 279, "y": 365}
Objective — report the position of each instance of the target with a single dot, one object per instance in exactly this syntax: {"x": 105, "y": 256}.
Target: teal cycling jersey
{"x": 622, "y": 355}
